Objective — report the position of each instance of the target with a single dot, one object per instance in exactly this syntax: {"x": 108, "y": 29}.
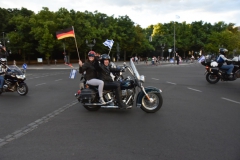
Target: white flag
{"x": 73, "y": 73}
{"x": 108, "y": 43}
{"x": 202, "y": 58}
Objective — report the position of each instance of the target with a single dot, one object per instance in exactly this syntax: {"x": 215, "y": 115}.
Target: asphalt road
{"x": 197, "y": 120}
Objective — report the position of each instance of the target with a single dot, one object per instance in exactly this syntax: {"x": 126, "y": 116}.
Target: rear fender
{"x": 147, "y": 89}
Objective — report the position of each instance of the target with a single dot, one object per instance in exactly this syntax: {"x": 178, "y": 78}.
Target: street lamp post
{"x": 91, "y": 44}
{"x": 3, "y": 39}
{"x": 118, "y": 53}
{"x": 162, "y": 46}
{"x": 174, "y": 50}
{"x": 169, "y": 50}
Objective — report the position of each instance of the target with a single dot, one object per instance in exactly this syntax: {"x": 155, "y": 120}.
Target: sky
{"x": 144, "y": 12}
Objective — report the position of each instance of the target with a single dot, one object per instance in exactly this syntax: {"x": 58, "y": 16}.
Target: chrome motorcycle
{"x": 149, "y": 99}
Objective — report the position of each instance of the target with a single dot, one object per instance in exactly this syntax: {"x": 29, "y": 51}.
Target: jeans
{"x": 1, "y": 81}
{"x": 229, "y": 68}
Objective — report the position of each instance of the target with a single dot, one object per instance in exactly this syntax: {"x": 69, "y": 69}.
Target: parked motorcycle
{"x": 14, "y": 80}
{"x": 149, "y": 99}
{"x": 214, "y": 73}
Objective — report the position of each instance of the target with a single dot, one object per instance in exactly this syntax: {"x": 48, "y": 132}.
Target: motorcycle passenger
{"x": 2, "y": 72}
{"x": 91, "y": 74}
{"x": 104, "y": 70}
{"x": 221, "y": 61}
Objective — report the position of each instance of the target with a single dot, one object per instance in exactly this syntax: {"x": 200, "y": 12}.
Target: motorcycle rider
{"x": 221, "y": 62}
{"x": 2, "y": 72}
{"x": 3, "y": 52}
{"x": 91, "y": 74}
{"x": 104, "y": 71}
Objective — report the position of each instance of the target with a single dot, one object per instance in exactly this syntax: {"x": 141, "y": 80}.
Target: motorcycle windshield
{"x": 136, "y": 74}
{"x": 15, "y": 69}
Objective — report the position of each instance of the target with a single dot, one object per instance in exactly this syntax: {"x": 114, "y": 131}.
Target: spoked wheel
{"x": 92, "y": 108}
{"x": 152, "y": 105}
{"x": 212, "y": 79}
{"x": 22, "y": 89}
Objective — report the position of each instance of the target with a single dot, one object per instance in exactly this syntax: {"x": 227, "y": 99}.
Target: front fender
{"x": 147, "y": 89}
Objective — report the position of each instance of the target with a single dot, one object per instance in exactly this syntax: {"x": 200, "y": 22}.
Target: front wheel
{"x": 154, "y": 104}
{"x": 211, "y": 78}
{"x": 22, "y": 89}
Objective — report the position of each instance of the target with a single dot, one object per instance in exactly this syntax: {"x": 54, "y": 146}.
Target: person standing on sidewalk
{"x": 177, "y": 58}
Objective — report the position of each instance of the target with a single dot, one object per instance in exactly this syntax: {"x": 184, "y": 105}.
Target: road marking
{"x": 34, "y": 125}
{"x": 40, "y": 84}
{"x": 171, "y": 83}
{"x": 230, "y": 100}
{"x": 155, "y": 78}
{"x": 194, "y": 89}
{"x": 58, "y": 80}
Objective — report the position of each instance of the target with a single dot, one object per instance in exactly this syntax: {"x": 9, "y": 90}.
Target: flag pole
{"x": 76, "y": 42}
{"x": 109, "y": 51}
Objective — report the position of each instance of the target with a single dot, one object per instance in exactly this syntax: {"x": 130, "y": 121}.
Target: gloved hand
{"x": 123, "y": 69}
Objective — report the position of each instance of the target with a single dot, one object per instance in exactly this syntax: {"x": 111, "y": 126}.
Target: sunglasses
{"x": 91, "y": 55}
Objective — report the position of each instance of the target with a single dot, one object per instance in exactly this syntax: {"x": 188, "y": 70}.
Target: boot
{"x": 230, "y": 76}
{"x": 122, "y": 105}
{"x": 101, "y": 100}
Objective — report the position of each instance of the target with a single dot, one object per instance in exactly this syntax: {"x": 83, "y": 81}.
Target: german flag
{"x": 65, "y": 33}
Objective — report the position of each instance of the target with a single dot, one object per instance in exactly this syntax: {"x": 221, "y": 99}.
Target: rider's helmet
{"x": 91, "y": 54}
{"x": 223, "y": 51}
{"x": 3, "y": 61}
{"x": 105, "y": 57}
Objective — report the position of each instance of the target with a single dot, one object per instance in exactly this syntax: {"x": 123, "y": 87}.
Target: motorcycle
{"x": 149, "y": 99}
{"x": 214, "y": 73}
{"x": 14, "y": 80}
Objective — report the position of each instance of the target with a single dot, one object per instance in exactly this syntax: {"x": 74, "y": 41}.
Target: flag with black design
{"x": 69, "y": 32}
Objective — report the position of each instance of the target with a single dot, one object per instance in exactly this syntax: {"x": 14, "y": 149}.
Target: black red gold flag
{"x": 69, "y": 32}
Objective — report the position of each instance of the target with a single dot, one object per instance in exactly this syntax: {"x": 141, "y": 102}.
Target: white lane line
{"x": 58, "y": 80}
{"x": 34, "y": 125}
{"x": 194, "y": 89}
{"x": 230, "y": 100}
{"x": 40, "y": 84}
{"x": 155, "y": 78}
{"x": 171, "y": 83}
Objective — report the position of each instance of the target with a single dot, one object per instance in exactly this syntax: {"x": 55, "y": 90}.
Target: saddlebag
{"x": 237, "y": 74}
{"x": 87, "y": 94}
{"x": 214, "y": 70}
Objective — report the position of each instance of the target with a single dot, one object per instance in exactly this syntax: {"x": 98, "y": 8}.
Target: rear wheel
{"x": 154, "y": 104}
{"x": 212, "y": 78}
{"x": 22, "y": 89}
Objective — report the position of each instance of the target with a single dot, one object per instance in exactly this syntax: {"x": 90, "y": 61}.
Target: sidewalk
{"x": 76, "y": 66}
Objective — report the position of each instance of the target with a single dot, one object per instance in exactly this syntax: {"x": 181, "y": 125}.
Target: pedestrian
{"x": 146, "y": 60}
{"x": 152, "y": 60}
{"x": 177, "y": 58}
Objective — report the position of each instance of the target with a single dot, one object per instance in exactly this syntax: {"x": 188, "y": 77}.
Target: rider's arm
{"x": 82, "y": 67}
{"x": 115, "y": 69}
{"x": 224, "y": 58}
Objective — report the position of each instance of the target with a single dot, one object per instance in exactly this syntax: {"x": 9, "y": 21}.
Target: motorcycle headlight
{"x": 142, "y": 78}
{"x": 21, "y": 76}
